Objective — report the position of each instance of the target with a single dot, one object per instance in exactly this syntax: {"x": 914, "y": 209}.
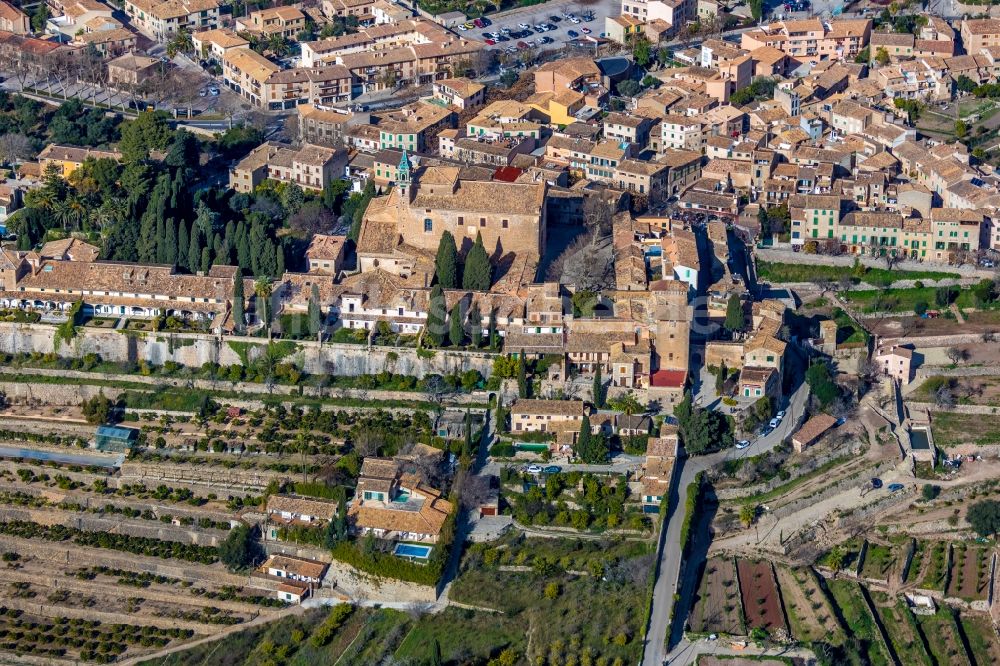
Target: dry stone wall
{"x": 195, "y": 349}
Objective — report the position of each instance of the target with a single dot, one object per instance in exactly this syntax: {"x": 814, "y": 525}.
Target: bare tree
{"x": 957, "y": 354}
{"x": 15, "y": 147}
{"x": 944, "y": 397}
{"x": 584, "y": 264}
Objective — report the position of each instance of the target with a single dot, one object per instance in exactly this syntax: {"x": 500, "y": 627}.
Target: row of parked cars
{"x": 764, "y": 431}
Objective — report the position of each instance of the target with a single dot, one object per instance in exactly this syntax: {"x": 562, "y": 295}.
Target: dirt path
{"x": 263, "y": 619}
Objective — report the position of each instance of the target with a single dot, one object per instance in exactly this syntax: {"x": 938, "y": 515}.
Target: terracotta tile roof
{"x": 812, "y": 429}
{"x": 548, "y": 407}
{"x": 298, "y": 566}
{"x": 324, "y": 246}
{"x": 296, "y": 504}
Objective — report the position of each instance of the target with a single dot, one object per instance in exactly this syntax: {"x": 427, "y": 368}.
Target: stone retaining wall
{"x": 196, "y": 349}
{"x": 137, "y": 527}
{"x": 359, "y": 585}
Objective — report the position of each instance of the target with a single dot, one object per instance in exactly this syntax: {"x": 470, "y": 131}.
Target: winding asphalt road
{"x": 664, "y": 642}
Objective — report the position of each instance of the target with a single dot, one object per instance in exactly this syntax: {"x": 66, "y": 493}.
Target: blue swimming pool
{"x": 413, "y": 551}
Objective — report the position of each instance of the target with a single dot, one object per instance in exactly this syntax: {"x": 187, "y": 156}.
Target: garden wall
{"x": 149, "y": 529}
{"x": 361, "y": 586}
{"x": 195, "y": 349}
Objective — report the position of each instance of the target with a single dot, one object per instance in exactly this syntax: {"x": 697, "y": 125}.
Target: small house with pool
{"x": 395, "y": 505}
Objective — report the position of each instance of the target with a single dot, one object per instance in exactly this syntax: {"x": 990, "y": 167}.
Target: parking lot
{"x": 536, "y": 14}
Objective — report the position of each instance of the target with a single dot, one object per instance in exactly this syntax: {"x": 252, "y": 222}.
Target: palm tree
{"x": 262, "y": 290}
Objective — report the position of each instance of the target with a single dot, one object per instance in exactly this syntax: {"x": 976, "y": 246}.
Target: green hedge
{"x": 387, "y": 565}
{"x": 691, "y": 510}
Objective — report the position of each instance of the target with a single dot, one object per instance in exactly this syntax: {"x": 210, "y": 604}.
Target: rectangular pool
{"x": 412, "y": 551}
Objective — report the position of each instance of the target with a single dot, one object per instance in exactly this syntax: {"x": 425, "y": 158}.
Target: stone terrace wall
{"x": 194, "y": 350}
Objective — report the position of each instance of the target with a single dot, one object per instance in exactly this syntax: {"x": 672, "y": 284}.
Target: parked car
{"x": 774, "y": 423}
{"x": 501, "y": 38}
{"x": 876, "y": 483}
{"x": 743, "y": 444}
{"x": 522, "y": 45}
{"x": 479, "y": 23}
{"x": 486, "y": 22}
{"x": 585, "y": 30}
{"x": 491, "y": 42}
{"x": 545, "y": 40}
{"x": 505, "y": 30}
{"x": 523, "y": 26}
{"x": 574, "y": 20}
{"x": 895, "y": 487}
{"x": 555, "y": 19}
{"x": 573, "y": 33}
{"x": 552, "y": 469}
{"x": 780, "y": 415}
{"x": 534, "y": 469}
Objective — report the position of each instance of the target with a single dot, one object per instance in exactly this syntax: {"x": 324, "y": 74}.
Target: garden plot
{"x": 970, "y": 572}
{"x": 717, "y": 609}
{"x": 982, "y": 638}
{"x": 943, "y": 637}
{"x": 809, "y": 611}
{"x": 881, "y": 562}
{"x": 933, "y": 566}
{"x": 902, "y": 629}
{"x": 859, "y": 621}
{"x": 761, "y": 601}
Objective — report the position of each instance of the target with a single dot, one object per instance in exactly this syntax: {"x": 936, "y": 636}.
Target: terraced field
{"x": 809, "y": 612}
{"x": 902, "y": 629}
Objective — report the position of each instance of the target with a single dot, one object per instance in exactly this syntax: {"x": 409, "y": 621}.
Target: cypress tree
{"x": 242, "y": 246}
{"x": 436, "y": 654}
{"x": 720, "y": 379}
{"x": 315, "y": 316}
{"x": 446, "y": 264}
{"x": 206, "y": 259}
{"x": 476, "y": 276}
{"x": 160, "y": 246}
{"x": 279, "y": 260}
{"x": 170, "y": 242}
{"x": 468, "y": 433}
{"x": 194, "y": 249}
{"x": 456, "y": 334}
{"x": 582, "y": 448}
{"x": 476, "y": 325}
{"x": 238, "y": 305}
{"x": 598, "y": 388}
{"x": 494, "y": 339}
{"x": 522, "y": 376}
{"x": 435, "y": 327}
{"x": 183, "y": 242}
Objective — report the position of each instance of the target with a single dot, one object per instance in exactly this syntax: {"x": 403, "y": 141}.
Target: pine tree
{"x": 476, "y": 325}
{"x": 598, "y": 389}
{"x": 522, "y": 376}
{"x": 456, "y": 334}
{"x": 315, "y": 316}
{"x": 435, "y": 327}
{"x": 183, "y": 242}
{"x": 238, "y": 305}
{"x": 194, "y": 249}
{"x": 446, "y": 264}
{"x": 477, "y": 274}
{"x": 170, "y": 242}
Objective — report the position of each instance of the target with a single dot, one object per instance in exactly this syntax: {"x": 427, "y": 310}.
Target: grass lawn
{"x": 902, "y": 300}
{"x": 847, "y": 596}
{"x": 461, "y": 634}
{"x": 805, "y": 272}
{"x": 600, "y": 613}
{"x": 952, "y": 429}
